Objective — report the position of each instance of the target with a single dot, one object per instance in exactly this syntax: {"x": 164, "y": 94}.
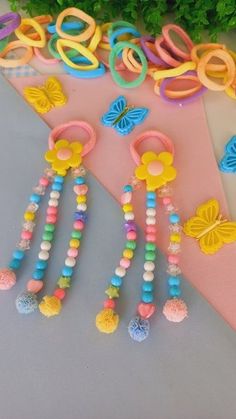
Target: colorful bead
{"x": 128, "y": 253}
{"x": 126, "y": 198}
{"x": 109, "y": 303}
{"x": 151, "y": 203}
{"x": 35, "y": 198}
{"x": 150, "y": 256}
{"x": 174, "y": 218}
{"x": 18, "y": 254}
{"x": 57, "y": 186}
{"x": 175, "y": 238}
{"x": 147, "y": 297}
{"x": 43, "y": 255}
{"x": 38, "y": 274}
{"x": 34, "y": 286}
{"x": 67, "y": 271}
{"x": 151, "y": 212}
{"x": 127, "y": 208}
{"x": 47, "y": 236}
{"x": 116, "y": 281}
{"x": 72, "y": 252}
{"x": 148, "y": 276}
{"x": 70, "y": 262}
{"x": 78, "y": 225}
{"x": 173, "y": 280}
{"x": 129, "y": 216}
{"x": 131, "y": 235}
{"x": 120, "y": 271}
{"x": 43, "y": 181}
{"x": 125, "y": 263}
{"x": 29, "y": 216}
{"x": 131, "y": 244}
{"x": 26, "y": 235}
{"x": 59, "y": 293}
{"x": 150, "y": 246}
{"x": 174, "y": 291}
{"x": 45, "y": 245}
{"x": 76, "y": 234}
{"x": 79, "y": 180}
{"x": 173, "y": 259}
{"x": 41, "y": 264}
{"x": 74, "y": 243}
{"x": 128, "y": 188}
{"x": 15, "y": 264}
{"x": 147, "y": 286}
{"x": 59, "y": 179}
{"x": 149, "y": 266}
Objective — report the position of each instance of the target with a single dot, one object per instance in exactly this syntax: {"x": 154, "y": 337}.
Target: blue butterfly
{"x": 123, "y": 117}
{"x": 228, "y": 162}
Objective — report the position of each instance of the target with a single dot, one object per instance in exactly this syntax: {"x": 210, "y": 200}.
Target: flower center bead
{"x": 64, "y": 154}
{"x": 155, "y": 168}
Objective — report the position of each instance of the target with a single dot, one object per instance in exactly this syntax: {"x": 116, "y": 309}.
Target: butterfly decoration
{"x": 122, "y": 117}
{"x": 228, "y": 162}
{"x": 209, "y": 227}
{"x": 46, "y": 97}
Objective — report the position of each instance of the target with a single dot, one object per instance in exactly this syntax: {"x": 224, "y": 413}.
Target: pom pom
{"x": 26, "y": 303}
{"x": 7, "y": 279}
{"x": 139, "y": 329}
{"x": 50, "y": 306}
{"x": 175, "y": 310}
{"x": 107, "y": 320}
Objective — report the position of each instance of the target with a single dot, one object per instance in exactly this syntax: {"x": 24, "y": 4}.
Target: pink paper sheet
{"x": 198, "y": 176}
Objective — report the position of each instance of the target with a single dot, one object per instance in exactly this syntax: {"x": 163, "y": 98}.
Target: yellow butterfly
{"x": 44, "y": 98}
{"x": 209, "y": 228}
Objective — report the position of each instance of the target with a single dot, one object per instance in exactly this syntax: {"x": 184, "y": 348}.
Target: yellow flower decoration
{"x": 156, "y": 169}
{"x": 64, "y": 156}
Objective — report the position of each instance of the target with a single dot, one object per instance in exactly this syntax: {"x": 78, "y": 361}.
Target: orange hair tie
{"x": 82, "y": 36}
{"x": 12, "y": 63}
{"x": 205, "y": 48}
{"x": 230, "y": 70}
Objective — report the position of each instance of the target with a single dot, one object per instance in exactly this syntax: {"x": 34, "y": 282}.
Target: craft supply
{"x": 66, "y": 26}
{"x": 210, "y": 228}
{"x": 228, "y": 161}
{"x": 12, "y": 20}
{"x": 123, "y": 117}
{"x": 85, "y": 52}
{"x": 45, "y": 60}
{"x": 187, "y": 41}
{"x": 164, "y": 53}
{"x": 151, "y": 56}
{"x": 53, "y": 49}
{"x": 174, "y": 72}
{"x": 44, "y": 98}
{"x": 39, "y": 43}
{"x": 84, "y": 17}
{"x": 16, "y": 62}
{"x": 82, "y": 74}
{"x": 4, "y": 41}
{"x": 230, "y": 72}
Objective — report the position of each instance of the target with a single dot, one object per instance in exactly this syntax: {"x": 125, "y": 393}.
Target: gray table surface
{"x": 62, "y": 367}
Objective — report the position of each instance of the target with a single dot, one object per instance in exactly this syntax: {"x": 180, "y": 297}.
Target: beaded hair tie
{"x": 62, "y": 156}
{"x": 157, "y": 171}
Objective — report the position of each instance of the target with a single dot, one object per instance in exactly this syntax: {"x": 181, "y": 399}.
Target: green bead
{"x": 150, "y": 256}
{"x": 47, "y": 236}
{"x": 150, "y": 246}
{"x": 131, "y": 244}
{"x": 76, "y": 234}
{"x": 49, "y": 227}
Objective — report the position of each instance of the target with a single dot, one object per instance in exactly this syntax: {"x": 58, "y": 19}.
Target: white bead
{"x": 82, "y": 207}
{"x": 70, "y": 261}
{"x": 54, "y": 195}
{"x": 151, "y": 212}
{"x": 150, "y": 221}
{"x": 120, "y": 271}
{"x": 149, "y": 266}
{"x": 46, "y": 245}
{"x": 129, "y": 216}
{"x": 53, "y": 203}
{"x": 148, "y": 276}
{"x": 43, "y": 255}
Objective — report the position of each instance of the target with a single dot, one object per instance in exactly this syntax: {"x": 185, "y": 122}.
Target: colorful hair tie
{"x": 187, "y": 41}
{"x": 66, "y": 26}
{"x": 53, "y": 49}
{"x": 205, "y": 48}
{"x": 148, "y": 52}
{"x": 45, "y": 60}
{"x": 96, "y": 38}
{"x": 13, "y": 63}
{"x": 174, "y": 72}
{"x": 13, "y": 20}
{"x": 230, "y": 72}
{"x": 119, "y": 47}
{"x": 85, "y": 52}
{"x": 104, "y": 43}
{"x": 132, "y": 63}
{"x": 103, "y": 57}
{"x": 119, "y": 24}
{"x": 82, "y": 36}
{"x": 113, "y": 39}
{"x": 165, "y": 54}
{"x": 40, "y": 43}
{"x": 4, "y": 41}
{"x": 81, "y": 74}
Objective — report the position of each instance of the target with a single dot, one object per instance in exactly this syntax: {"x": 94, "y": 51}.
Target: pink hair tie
{"x": 164, "y": 53}
{"x": 186, "y": 56}
{"x": 57, "y": 131}
{"x": 166, "y": 142}
{"x": 48, "y": 61}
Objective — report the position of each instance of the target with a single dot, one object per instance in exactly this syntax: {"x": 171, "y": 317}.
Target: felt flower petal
{"x": 169, "y": 173}
{"x": 154, "y": 182}
{"x": 76, "y": 147}
{"x": 166, "y": 158}
{"x": 61, "y": 144}
{"x": 148, "y": 157}
{"x": 141, "y": 172}
{"x": 75, "y": 160}
{"x": 50, "y": 156}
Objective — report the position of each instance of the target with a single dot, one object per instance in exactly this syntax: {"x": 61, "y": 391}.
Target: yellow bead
{"x": 128, "y": 253}
{"x": 81, "y": 199}
{"x": 175, "y": 238}
{"x": 128, "y": 208}
{"x": 74, "y": 243}
{"x": 29, "y": 216}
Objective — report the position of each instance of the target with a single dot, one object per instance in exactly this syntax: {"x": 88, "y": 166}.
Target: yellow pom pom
{"x": 107, "y": 321}
{"x": 50, "y": 306}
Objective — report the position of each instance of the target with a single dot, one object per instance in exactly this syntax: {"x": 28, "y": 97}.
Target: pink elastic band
{"x": 185, "y": 38}
{"x": 49, "y": 61}
{"x": 162, "y": 49}
{"x": 166, "y": 142}
{"x": 57, "y": 131}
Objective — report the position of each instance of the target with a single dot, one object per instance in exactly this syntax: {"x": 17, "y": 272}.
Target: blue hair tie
{"x": 122, "y": 31}
{"x": 66, "y": 26}
{"x": 84, "y": 74}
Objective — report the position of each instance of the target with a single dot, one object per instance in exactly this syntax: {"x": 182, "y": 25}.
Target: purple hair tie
{"x": 13, "y": 20}
{"x": 153, "y": 58}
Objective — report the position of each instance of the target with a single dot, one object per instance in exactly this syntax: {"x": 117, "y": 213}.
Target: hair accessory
{"x": 4, "y": 41}
{"x": 85, "y": 52}
{"x": 184, "y": 38}
{"x": 83, "y": 36}
{"x": 210, "y": 228}
{"x": 228, "y": 162}
{"x": 152, "y": 57}
{"x": 45, "y": 60}
{"x": 44, "y": 98}
{"x": 123, "y": 117}
{"x": 53, "y": 49}
{"x": 40, "y": 43}
{"x": 16, "y": 62}
{"x": 66, "y": 26}
{"x": 82, "y": 74}
{"x": 174, "y": 72}
{"x": 113, "y": 39}
{"x": 165, "y": 54}
{"x": 13, "y": 20}
{"x": 230, "y": 66}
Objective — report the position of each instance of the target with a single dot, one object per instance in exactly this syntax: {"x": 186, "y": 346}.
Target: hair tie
{"x": 205, "y": 48}
{"x": 187, "y": 41}
{"x": 85, "y": 52}
{"x": 13, "y": 63}
{"x": 66, "y": 26}
{"x": 82, "y": 36}
{"x": 13, "y": 20}
{"x": 173, "y": 72}
{"x": 230, "y": 72}
{"x": 81, "y": 74}
{"x": 148, "y": 52}
{"x": 164, "y": 53}
{"x": 39, "y": 43}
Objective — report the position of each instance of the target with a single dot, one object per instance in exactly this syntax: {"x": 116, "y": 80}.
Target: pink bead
{"x": 80, "y": 189}
{"x": 131, "y": 235}
{"x": 51, "y": 219}
{"x": 109, "y": 303}
{"x": 26, "y": 235}
{"x": 126, "y": 198}
{"x": 52, "y": 210}
{"x": 59, "y": 293}
{"x": 151, "y": 238}
{"x": 43, "y": 181}
{"x": 34, "y": 286}
{"x": 78, "y": 225}
{"x": 125, "y": 263}
{"x": 166, "y": 200}
{"x": 72, "y": 252}
{"x": 173, "y": 259}
{"x": 151, "y": 229}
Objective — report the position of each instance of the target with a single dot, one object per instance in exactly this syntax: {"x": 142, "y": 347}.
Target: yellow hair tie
{"x": 97, "y": 36}
{"x": 173, "y": 72}
{"x": 85, "y": 52}
{"x": 26, "y": 39}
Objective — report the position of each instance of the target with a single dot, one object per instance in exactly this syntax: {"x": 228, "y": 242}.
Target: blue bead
{"x": 173, "y": 280}
{"x": 174, "y": 218}
{"x": 41, "y": 264}
{"x": 56, "y": 186}
{"x": 151, "y": 203}
{"x": 35, "y": 198}
{"x": 151, "y": 195}
{"x": 67, "y": 271}
{"x": 38, "y": 274}
{"x": 14, "y": 264}
{"x": 128, "y": 188}
{"x": 59, "y": 179}
{"x": 79, "y": 180}
{"x": 80, "y": 215}
{"x": 116, "y": 281}
{"x": 147, "y": 286}
{"x": 18, "y": 254}
{"x": 175, "y": 291}
{"x": 147, "y": 297}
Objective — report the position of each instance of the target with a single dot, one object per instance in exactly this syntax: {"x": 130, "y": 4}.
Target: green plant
{"x": 194, "y": 15}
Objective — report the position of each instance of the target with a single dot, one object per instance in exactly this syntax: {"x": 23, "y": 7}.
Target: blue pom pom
{"x": 139, "y": 329}
{"x": 26, "y": 303}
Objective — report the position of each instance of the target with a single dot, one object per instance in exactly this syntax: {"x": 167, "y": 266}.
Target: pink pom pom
{"x": 7, "y": 279}
{"x": 175, "y": 310}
